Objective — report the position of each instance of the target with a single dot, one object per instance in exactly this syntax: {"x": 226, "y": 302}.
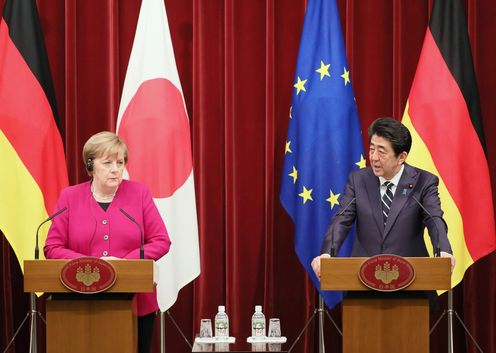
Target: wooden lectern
{"x": 84, "y": 323}
{"x": 380, "y": 325}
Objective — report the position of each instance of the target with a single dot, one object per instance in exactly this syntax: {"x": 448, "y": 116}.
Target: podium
{"x": 385, "y": 324}
{"x": 84, "y": 323}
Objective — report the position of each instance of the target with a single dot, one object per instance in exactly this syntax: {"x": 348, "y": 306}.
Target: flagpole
{"x": 450, "y": 321}
{"x": 33, "y": 345}
{"x": 320, "y": 310}
{"x": 321, "y": 325}
{"x": 451, "y": 313}
{"x": 162, "y": 332}
{"x": 33, "y": 338}
{"x": 303, "y": 330}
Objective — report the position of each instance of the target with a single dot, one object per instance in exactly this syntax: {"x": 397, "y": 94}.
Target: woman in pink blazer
{"x": 94, "y": 225}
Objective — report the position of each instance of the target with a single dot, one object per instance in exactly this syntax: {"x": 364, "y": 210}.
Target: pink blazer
{"x": 85, "y": 229}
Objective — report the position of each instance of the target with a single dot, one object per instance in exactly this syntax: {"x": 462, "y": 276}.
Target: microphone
{"x": 36, "y": 249}
{"x": 333, "y": 249}
{"x": 142, "y": 249}
{"x": 437, "y": 250}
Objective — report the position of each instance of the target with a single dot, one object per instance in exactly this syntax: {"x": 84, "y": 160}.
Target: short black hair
{"x": 393, "y": 131}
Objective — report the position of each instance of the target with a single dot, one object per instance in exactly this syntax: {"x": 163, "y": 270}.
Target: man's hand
{"x": 316, "y": 264}
{"x": 452, "y": 258}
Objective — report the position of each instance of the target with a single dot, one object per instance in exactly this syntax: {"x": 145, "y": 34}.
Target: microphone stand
{"x": 318, "y": 312}
{"x": 321, "y": 309}
{"x": 33, "y": 312}
{"x": 451, "y": 313}
{"x": 33, "y": 333}
{"x": 162, "y": 315}
{"x": 142, "y": 249}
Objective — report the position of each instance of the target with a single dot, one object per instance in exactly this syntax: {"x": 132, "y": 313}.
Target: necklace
{"x": 101, "y": 197}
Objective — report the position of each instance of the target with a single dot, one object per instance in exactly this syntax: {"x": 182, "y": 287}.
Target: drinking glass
{"x": 274, "y": 327}
{"x": 205, "y": 328}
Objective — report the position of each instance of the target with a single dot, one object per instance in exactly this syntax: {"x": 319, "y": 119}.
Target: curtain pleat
{"x": 268, "y": 166}
{"x": 236, "y": 61}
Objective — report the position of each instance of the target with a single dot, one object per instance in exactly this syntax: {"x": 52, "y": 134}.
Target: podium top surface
{"x": 133, "y": 276}
{"x": 341, "y": 273}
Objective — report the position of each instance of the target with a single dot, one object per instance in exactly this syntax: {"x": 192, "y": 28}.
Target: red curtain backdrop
{"x": 236, "y": 61}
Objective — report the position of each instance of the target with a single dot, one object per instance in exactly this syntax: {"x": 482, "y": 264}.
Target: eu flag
{"x": 324, "y": 140}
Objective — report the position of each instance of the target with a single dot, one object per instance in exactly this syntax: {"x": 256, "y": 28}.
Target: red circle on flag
{"x": 156, "y": 129}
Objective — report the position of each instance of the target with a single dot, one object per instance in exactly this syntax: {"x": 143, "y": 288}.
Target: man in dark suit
{"x": 386, "y": 199}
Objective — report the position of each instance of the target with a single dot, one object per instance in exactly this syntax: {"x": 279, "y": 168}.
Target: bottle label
{"x": 258, "y": 329}
{"x": 221, "y": 328}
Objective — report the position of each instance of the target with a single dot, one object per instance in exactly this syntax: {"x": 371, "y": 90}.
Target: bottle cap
{"x": 258, "y": 308}
{"x": 222, "y": 308}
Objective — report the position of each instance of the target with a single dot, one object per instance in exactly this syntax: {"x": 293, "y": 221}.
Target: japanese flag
{"x": 153, "y": 121}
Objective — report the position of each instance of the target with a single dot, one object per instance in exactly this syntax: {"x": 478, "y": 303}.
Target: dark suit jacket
{"x": 403, "y": 234}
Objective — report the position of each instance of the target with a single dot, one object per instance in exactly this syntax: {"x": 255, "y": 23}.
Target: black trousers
{"x": 145, "y": 332}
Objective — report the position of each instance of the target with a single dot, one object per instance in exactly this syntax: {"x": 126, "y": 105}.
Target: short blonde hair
{"x": 102, "y": 144}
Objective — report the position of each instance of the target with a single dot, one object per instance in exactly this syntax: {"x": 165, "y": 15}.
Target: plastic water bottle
{"x": 221, "y": 323}
{"x": 258, "y": 323}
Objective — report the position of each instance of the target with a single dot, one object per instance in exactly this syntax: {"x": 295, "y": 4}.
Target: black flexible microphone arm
{"x": 142, "y": 249}
{"x": 333, "y": 248}
{"x": 36, "y": 248}
{"x": 437, "y": 250}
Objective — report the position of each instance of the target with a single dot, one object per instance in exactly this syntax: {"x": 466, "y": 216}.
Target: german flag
{"x": 443, "y": 115}
{"x": 33, "y": 168}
